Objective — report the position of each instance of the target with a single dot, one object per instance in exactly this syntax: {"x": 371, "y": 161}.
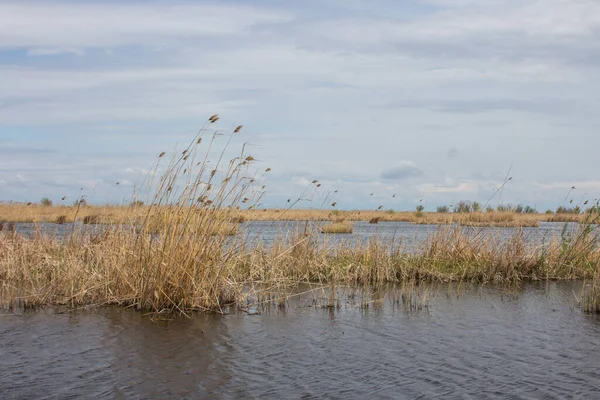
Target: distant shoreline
{"x": 110, "y": 214}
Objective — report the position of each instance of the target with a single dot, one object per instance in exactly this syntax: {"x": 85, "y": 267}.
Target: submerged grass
{"x": 177, "y": 254}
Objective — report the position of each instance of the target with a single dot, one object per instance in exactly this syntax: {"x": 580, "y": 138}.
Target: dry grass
{"x": 590, "y": 297}
{"x": 338, "y": 227}
{"x": 172, "y": 273}
{"x": 479, "y": 219}
{"x": 18, "y": 212}
{"x": 123, "y": 214}
{"x": 176, "y": 254}
{"x": 566, "y": 217}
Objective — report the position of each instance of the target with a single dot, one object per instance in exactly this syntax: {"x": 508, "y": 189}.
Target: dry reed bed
{"x": 176, "y": 255}
{"x": 175, "y": 273}
{"x": 338, "y": 227}
{"x": 35, "y": 213}
{"x": 122, "y": 214}
{"x": 502, "y": 219}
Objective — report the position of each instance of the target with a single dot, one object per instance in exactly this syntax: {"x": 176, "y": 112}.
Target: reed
{"x": 122, "y": 214}
{"x": 175, "y": 271}
{"x": 338, "y": 227}
{"x": 590, "y": 297}
{"x": 177, "y": 252}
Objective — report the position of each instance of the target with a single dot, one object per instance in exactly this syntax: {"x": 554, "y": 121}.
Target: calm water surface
{"x": 410, "y": 236}
{"x": 473, "y": 342}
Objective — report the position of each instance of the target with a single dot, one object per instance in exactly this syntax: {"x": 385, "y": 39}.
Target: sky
{"x": 429, "y": 100}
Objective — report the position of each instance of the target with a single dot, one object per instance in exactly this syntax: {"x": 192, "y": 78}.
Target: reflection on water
{"x": 472, "y": 342}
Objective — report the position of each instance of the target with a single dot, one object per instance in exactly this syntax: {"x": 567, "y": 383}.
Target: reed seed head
{"x": 239, "y": 128}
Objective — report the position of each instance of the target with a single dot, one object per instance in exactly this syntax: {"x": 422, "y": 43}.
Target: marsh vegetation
{"x": 183, "y": 249}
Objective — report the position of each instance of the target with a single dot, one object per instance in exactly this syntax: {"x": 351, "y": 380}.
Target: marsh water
{"x": 460, "y": 342}
{"x": 407, "y": 235}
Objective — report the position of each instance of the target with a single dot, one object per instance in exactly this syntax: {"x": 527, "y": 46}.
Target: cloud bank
{"x": 337, "y": 91}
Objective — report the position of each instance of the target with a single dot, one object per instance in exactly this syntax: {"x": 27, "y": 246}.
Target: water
{"x": 476, "y": 342}
{"x": 409, "y": 235}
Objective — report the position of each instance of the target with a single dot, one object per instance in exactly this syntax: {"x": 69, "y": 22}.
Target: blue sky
{"x": 429, "y": 99}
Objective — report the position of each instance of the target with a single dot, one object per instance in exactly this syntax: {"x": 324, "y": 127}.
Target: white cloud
{"x": 463, "y": 188}
{"x": 402, "y": 170}
{"x": 337, "y": 96}
{"x": 591, "y": 186}
{"x": 301, "y": 182}
{"x": 80, "y": 25}
{"x": 52, "y": 51}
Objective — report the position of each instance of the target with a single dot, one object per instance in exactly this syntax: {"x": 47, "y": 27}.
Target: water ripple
{"x": 481, "y": 343}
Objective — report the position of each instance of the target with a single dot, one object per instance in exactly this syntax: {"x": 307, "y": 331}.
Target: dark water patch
{"x": 471, "y": 342}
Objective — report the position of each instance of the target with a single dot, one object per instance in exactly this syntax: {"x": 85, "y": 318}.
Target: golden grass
{"x": 173, "y": 273}
{"x": 122, "y": 214}
{"x": 338, "y": 227}
{"x": 566, "y": 217}
{"x": 176, "y": 254}
{"x": 23, "y": 213}
{"x": 590, "y": 297}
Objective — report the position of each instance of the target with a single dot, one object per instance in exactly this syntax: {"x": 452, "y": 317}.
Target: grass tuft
{"x": 338, "y": 227}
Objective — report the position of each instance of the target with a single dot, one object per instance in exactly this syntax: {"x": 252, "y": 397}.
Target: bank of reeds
{"x": 176, "y": 254}
{"x": 338, "y": 227}
{"x": 122, "y": 214}
{"x": 108, "y": 214}
{"x": 181, "y": 272}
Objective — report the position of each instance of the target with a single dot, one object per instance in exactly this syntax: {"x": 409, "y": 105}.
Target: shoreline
{"x": 182, "y": 270}
{"x": 110, "y": 214}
